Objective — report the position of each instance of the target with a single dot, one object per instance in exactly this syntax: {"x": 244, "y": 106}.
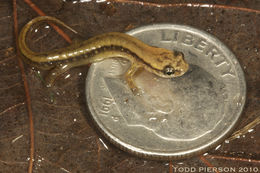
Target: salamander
{"x": 159, "y": 61}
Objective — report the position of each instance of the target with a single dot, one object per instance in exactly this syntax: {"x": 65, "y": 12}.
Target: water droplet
{"x": 152, "y": 119}
{"x": 99, "y": 1}
{"x": 164, "y": 120}
{"x": 217, "y": 147}
{"x": 67, "y": 76}
{"x": 103, "y": 143}
{"x": 115, "y": 118}
{"x": 66, "y": 65}
{"x": 208, "y": 29}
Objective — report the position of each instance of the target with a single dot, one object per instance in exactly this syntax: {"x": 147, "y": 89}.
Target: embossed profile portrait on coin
{"x": 165, "y": 105}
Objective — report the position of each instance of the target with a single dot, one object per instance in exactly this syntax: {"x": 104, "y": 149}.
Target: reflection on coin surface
{"x": 172, "y": 118}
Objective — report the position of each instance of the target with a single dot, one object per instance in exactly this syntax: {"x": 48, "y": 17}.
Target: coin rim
{"x": 182, "y": 154}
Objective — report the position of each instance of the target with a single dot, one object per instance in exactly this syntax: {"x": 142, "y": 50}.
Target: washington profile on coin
{"x": 172, "y": 118}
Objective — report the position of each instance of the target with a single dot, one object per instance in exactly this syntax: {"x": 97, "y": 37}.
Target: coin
{"x": 172, "y": 118}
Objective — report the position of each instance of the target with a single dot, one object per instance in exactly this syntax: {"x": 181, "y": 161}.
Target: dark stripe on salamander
{"x": 90, "y": 54}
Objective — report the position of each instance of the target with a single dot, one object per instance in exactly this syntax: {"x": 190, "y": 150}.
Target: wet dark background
{"x": 65, "y": 138}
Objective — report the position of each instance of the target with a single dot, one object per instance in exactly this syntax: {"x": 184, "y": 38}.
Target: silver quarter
{"x": 172, "y": 118}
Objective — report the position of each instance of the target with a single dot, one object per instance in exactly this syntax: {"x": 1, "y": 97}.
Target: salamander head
{"x": 170, "y": 64}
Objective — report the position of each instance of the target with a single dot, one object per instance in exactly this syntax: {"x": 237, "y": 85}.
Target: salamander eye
{"x": 168, "y": 70}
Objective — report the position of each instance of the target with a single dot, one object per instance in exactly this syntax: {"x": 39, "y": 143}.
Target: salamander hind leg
{"x": 55, "y": 73}
{"x": 129, "y": 77}
{"x": 62, "y": 68}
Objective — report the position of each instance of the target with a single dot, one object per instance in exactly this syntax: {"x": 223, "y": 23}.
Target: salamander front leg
{"x": 129, "y": 77}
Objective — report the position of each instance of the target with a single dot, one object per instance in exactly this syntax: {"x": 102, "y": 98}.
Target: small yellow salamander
{"x": 160, "y": 61}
